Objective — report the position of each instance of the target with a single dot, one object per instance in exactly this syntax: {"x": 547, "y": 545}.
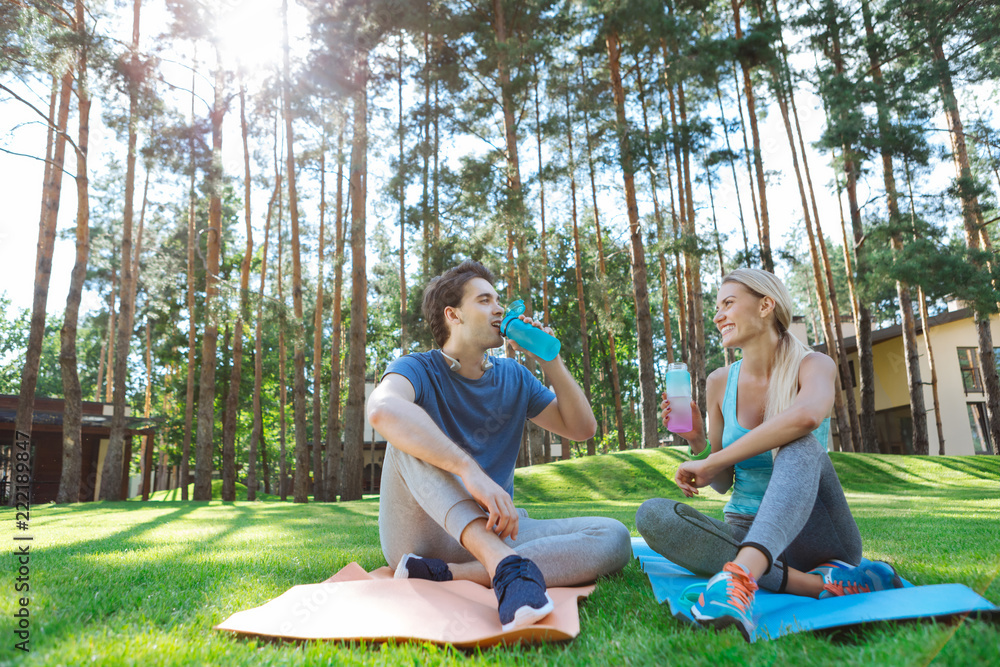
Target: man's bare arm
{"x": 410, "y": 429}
{"x": 569, "y": 415}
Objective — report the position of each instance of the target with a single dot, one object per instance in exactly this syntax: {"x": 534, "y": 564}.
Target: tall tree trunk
{"x": 147, "y": 440}
{"x": 354, "y": 412}
{"x": 514, "y": 212}
{"x": 765, "y": 225}
{"x": 732, "y": 168}
{"x": 109, "y": 364}
{"x": 43, "y": 260}
{"x": 401, "y": 131}
{"x": 256, "y": 434}
{"x": 282, "y": 364}
{"x": 747, "y": 157}
{"x": 925, "y": 323}
{"x": 841, "y": 358}
{"x": 279, "y": 166}
{"x": 637, "y": 253}
{"x": 578, "y": 272}
{"x": 918, "y": 411}
{"x": 436, "y": 184}
{"x": 299, "y": 393}
{"x": 236, "y": 374}
{"x": 333, "y": 441}
{"x": 675, "y": 228}
{"x": 972, "y": 219}
{"x": 205, "y": 432}
{"x": 100, "y": 369}
{"x": 319, "y": 479}
{"x": 678, "y": 215}
{"x": 545, "y": 435}
{"x": 111, "y": 479}
{"x": 863, "y": 324}
{"x": 783, "y": 93}
{"x": 658, "y": 217}
{"x": 425, "y": 264}
{"x": 602, "y": 280}
{"x": 926, "y": 327}
{"x": 192, "y": 241}
{"x": 692, "y": 270}
{"x": 69, "y": 480}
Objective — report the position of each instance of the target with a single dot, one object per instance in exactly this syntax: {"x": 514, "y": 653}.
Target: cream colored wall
{"x": 891, "y": 389}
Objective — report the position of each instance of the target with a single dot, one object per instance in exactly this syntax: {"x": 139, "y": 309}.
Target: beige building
{"x": 960, "y": 384}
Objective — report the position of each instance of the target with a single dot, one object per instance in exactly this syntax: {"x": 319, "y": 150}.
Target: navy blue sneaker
{"x": 520, "y": 590}
{"x": 412, "y": 566}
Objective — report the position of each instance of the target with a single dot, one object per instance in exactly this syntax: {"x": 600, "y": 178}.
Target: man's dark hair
{"x": 447, "y": 290}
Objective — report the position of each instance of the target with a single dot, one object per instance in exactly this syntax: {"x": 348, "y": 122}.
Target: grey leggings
{"x": 423, "y": 510}
{"x": 803, "y": 521}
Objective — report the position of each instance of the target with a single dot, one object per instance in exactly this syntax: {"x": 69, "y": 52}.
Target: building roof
{"x": 95, "y": 417}
{"x": 896, "y": 330}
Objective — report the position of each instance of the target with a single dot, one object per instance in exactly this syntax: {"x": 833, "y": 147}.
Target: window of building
{"x": 979, "y": 426}
{"x": 968, "y": 362}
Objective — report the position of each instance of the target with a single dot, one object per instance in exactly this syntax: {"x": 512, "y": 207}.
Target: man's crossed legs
{"x": 426, "y": 511}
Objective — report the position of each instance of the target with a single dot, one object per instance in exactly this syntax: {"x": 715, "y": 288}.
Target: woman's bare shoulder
{"x": 817, "y": 361}
{"x": 718, "y": 376}
{"x": 715, "y": 384}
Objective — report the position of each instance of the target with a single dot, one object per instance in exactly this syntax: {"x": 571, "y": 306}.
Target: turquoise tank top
{"x": 751, "y": 475}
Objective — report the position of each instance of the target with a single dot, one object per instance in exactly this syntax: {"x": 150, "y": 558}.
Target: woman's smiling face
{"x": 740, "y": 313}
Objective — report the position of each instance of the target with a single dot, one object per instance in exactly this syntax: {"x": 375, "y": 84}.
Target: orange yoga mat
{"x": 358, "y": 605}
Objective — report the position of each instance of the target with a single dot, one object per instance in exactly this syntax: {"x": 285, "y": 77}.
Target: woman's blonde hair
{"x": 784, "y": 383}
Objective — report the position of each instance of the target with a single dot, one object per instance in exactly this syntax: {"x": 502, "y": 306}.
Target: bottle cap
{"x": 513, "y": 311}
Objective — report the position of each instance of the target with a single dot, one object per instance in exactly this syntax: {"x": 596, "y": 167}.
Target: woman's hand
{"x": 697, "y": 432}
{"x": 692, "y": 475}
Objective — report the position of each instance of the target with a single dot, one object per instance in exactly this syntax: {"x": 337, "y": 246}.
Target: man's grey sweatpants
{"x": 423, "y": 510}
{"x": 803, "y": 521}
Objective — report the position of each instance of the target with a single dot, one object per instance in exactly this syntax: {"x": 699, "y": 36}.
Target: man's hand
{"x": 503, "y": 515}
{"x": 538, "y": 325}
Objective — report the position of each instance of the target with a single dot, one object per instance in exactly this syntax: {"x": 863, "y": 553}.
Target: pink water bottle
{"x": 679, "y": 394}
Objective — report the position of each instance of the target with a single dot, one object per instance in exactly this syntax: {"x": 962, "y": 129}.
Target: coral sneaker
{"x": 728, "y": 600}
{"x": 840, "y": 578}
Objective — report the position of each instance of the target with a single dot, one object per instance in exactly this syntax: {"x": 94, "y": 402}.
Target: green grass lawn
{"x": 143, "y": 583}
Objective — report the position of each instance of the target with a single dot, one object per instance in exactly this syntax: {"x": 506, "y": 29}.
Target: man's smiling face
{"x": 477, "y": 318}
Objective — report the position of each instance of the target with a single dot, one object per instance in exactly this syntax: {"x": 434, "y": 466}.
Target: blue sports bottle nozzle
{"x": 543, "y": 345}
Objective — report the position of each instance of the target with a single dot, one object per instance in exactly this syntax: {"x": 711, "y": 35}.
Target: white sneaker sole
{"x": 528, "y": 615}
{"x": 723, "y": 622}
{"x": 401, "y": 571}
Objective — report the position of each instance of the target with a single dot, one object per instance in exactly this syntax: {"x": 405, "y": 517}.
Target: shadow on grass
{"x": 198, "y": 566}
{"x": 857, "y": 471}
{"x": 988, "y": 468}
{"x": 654, "y": 478}
{"x": 578, "y": 479}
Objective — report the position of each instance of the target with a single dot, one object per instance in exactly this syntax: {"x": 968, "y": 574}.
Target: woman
{"x": 788, "y": 528}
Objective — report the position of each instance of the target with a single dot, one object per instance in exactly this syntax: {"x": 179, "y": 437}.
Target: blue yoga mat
{"x": 777, "y": 614}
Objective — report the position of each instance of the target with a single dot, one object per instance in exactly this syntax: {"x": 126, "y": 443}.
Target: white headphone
{"x": 455, "y": 365}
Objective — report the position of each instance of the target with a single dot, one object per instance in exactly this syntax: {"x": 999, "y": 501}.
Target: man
{"x": 453, "y": 418}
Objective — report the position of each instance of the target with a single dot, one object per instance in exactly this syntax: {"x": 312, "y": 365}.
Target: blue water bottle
{"x": 530, "y": 338}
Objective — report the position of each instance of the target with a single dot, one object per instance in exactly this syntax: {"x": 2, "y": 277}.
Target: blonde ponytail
{"x": 783, "y": 386}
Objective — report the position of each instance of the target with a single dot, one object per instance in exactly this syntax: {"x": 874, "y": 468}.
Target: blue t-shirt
{"x": 751, "y": 475}
{"x": 485, "y": 417}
